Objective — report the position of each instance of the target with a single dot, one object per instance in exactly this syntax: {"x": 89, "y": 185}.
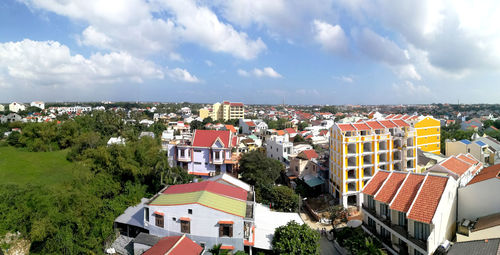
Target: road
{"x": 326, "y": 247}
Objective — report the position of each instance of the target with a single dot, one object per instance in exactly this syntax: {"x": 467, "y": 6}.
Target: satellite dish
{"x": 354, "y": 223}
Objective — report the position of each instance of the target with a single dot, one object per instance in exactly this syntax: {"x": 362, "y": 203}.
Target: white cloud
{"x": 347, "y": 79}
{"x": 331, "y": 37}
{"x": 209, "y": 63}
{"x": 243, "y": 73}
{"x": 143, "y": 27}
{"x": 408, "y": 89}
{"x": 175, "y": 57}
{"x": 267, "y": 71}
{"x": 179, "y": 74}
{"x": 49, "y": 63}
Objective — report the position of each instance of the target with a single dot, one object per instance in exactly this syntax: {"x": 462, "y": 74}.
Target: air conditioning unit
{"x": 211, "y": 174}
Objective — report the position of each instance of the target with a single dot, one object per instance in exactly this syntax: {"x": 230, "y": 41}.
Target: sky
{"x": 253, "y": 51}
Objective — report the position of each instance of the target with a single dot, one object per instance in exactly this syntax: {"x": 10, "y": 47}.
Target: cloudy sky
{"x": 254, "y": 51}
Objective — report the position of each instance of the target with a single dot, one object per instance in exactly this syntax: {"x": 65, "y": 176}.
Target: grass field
{"x": 18, "y": 166}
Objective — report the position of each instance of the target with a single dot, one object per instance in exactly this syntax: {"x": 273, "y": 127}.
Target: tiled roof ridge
{"x": 176, "y": 243}
{"x": 400, "y": 187}
{"x": 416, "y": 195}
{"x": 386, "y": 181}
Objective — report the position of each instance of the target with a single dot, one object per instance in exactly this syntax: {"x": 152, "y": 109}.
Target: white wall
{"x": 443, "y": 223}
{"x": 479, "y": 199}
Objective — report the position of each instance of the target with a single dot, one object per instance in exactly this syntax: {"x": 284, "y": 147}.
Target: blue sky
{"x": 254, "y": 51}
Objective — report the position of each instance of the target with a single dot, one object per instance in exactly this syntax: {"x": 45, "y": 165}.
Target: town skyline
{"x": 326, "y": 52}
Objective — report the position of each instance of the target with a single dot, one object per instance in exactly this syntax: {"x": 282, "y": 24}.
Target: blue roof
{"x": 480, "y": 143}
{"x": 465, "y": 141}
{"x": 313, "y": 182}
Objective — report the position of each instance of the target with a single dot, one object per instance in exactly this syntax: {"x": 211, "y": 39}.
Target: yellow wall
{"x": 428, "y": 131}
{"x": 204, "y": 113}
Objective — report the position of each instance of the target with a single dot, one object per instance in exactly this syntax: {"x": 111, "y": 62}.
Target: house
{"x": 2, "y": 108}
{"x": 16, "y": 107}
{"x": 476, "y": 201}
{"x": 426, "y": 160}
{"x": 411, "y": 213}
{"x": 493, "y": 146}
{"x": 146, "y": 122}
{"x": 175, "y": 245}
{"x": 478, "y": 247}
{"x": 279, "y": 147}
{"x": 144, "y": 133}
{"x": 207, "y": 212}
{"x": 11, "y": 117}
{"x": 477, "y": 148}
{"x": 256, "y": 126}
{"x": 116, "y": 140}
{"x": 166, "y": 137}
{"x": 475, "y": 124}
{"x": 38, "y": 104}
{"x": 208, "y": 153}
{"x": 306, "y": 167}
{"x": 461, "y": 167}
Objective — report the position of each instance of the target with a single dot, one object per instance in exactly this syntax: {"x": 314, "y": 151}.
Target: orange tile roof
{"x": 486, "y": 174}
{"x": 401, "y": 123}
{"x": 374, "y": 184}
{"x": 468, "y": 158}
{"x": 374, "y": 124}
{"x": 361, "y": 126}
{"x": 231, "y": 128}
{"x": 310, "y": 154}
{"x": 426, "y": 202}
{"x": 390, "y": 187}
{"x": 388, "y": 123}
{"x": 280, "y": 132}
{"x": 456, "y": 165}
{"x": 407, "y": 193}
{"x": 346, "y": 127}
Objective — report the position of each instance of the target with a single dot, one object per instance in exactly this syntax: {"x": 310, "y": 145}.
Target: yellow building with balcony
{"x": 428, "y": 131}
{"x": 224, "y": 111}
{"x": 359, "y": 150}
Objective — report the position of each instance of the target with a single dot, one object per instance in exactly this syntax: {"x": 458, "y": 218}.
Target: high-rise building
{"x": 359, "y": 150}
{"x": 224, "y": 111}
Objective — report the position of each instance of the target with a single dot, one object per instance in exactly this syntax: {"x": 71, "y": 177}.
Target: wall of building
{"x": 479, "y": 199}
{"x": 204, "y": 224}
{"x": 444, "y": 221}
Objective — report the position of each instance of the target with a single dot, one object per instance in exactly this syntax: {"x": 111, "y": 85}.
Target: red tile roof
{"x": 175, "y": 245}
{"x": 468, "y": 158}
{"x": 426, "y": 202}
{"x": 389, "y": 116}
{"x": 455, "y": 165}
{"x": 374, "y": 184}
{"x": 405, "y": 117}
{"x": 407, "y": 193}
{"x": 310, "y": 154}
{"x": 290, "y": 130}
{"x": 374, "y": 125}
{"x": 323, "y": 132}
{"x": 390, "y": 187}
{"x": 250, "y": 123}
{"x": 486, "y": 174}
{"x": 346, "y": 127}
{"x": 210, "y": 186}
{"x": 280, "y": 132}
{"x": 361, "y": 126}
{"x": 231, "y": 128}
{"x": 387, "y": 123}
{"x": 236, "y": 104}
{"x": 206, "y": 138}
{"x": 401, "y": 123}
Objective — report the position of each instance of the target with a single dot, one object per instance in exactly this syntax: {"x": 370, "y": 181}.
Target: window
{"x": 217, "y": 155}
{"x": 401, "y": 219}
{"x": 197, "y": 150}
{"x": 197, "y": 163}
{"x": 146, "y": 214}
{"x": 159, "y": 220}
{"x": 371, "y": 202}
{"x": 190, "y": 211}
{"x": 182, "y": 152}
{"x": 371, "y": 222}
{"x": 384, "y": 211}
{"x": 203, "y": 245}
{"x": 421, "y": 230}
{"x": 185, "y": 226}
{"x": 226, "y": 230}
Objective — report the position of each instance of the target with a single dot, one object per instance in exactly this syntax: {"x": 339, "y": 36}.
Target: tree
{"x": 284, "y": 198}
{"x": 295, "y": 239}
{"x": 302, "y": 125}
{"x": 298, "y": 139}
{"x": 338, "y": 213}
{"x": 196, "y": 124}
{"x": 216, "y": 250}
{"x": 13, "y": 139}
{"x": 255, "y": 168}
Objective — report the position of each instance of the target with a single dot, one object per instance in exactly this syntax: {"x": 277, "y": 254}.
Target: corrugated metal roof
{"x": 479, "y": 247}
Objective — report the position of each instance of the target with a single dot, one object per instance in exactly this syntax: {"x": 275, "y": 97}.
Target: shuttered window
{"x": 159, "y": 220}
{"x": 185, "y": 226}
{"x": 226, "y": 230}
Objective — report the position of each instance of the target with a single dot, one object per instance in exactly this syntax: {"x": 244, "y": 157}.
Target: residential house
{"x": 172, "y": 245}
{"x": 474, "y": 124}
{"x": 256, "y": 126}
{"x": 479, "y": 206}
{"x": 279, "y": 147}
{"x": 207, "y": 212}
{"x": 38, "y": 104}
{"x": 166, "y": 137}
{"x": 2, "y": 108}
{"x": 11, "y": 117}
{"x": 426, "y": 160}
{"x": 16, "y": 107}
{"x": 493, "y": 146}
{"x": 208, "y": 153}
{"x": 477, "y": 148}
{"x": 359, "y": 150}
{"x": 306, "y": 167}
{"x": 411, "y": 213}
{"x": 462, "y": 168}
{"x": 479, "y": 247}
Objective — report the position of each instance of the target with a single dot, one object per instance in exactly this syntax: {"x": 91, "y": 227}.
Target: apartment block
{"x": 359, "y": 150}
{"x": 428, "y": 131}
{"x": 224, "y": 111}
{"x": 411, "y": 213}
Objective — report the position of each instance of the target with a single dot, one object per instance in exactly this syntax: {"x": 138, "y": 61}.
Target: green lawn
{"x": 18, "y": 166}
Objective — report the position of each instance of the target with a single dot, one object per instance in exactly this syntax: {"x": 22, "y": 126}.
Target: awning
{"x": 185, "y": 219}
{"x": 159, "y": 213}
{"x": 227, "y": 247}
{"x": 313, "y": 182}
{"x": 226, "y": 222}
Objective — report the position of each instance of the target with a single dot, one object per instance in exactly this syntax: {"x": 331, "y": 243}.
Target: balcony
{"x": 367, "y": 160}
{"x": 351, "y": 174}
{"x": 367, "y": 172}
{"x": 382, "y": 146}
{"x": 351, "y": 162}
{"x": 351, "y": 148}
{"x": 367, "y": 147}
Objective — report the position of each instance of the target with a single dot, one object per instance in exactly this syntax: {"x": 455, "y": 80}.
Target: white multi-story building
{"x": 16, "y": 107}
{"x": 411, "y": 213}
{"x": 279, "y": 147}
{"x": 208, "y": 212}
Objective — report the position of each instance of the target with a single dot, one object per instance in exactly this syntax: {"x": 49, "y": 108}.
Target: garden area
{"x": 357, "y": 241}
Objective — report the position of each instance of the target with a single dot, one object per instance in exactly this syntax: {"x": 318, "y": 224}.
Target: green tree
{"x": 13, "y": 139}
{"x": 216, "y": 250}
{"x": 284, "y": 198}
{"x": 298, "y": 139}
{"x": 295, "y": 239}
{"x": 196, "y": 124}
{"x": 255, "y": 168}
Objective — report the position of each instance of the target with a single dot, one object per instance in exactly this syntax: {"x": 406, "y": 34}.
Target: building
{"x": 479, "y": 247}
{"x": 38, "y": 104}
{"x": 224, "y": 111}
{"x": 461, "y": 167}
{"x": 428, "y": 131}
{"x": 306, "y": 167}
{"x": 252, "y": 126}
{"x": 359, "y": 150}
{"x": 411, "y": 213}
{"x": 478, "y": 208}
{"x": 207, "y": 212}
{"x": 2, "y": 108}
{"x": 478, "y": 149}
{"x": 16, "y": 107}
{"x": 279, "y": 147}
{"x": 208, "y": 153}
{"x": 172, "y": 245}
